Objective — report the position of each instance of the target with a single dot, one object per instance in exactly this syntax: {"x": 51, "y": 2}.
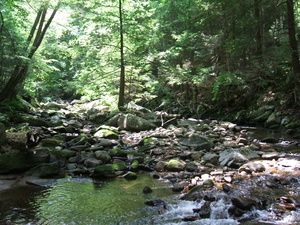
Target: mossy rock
{"x": 34, "y": 121}
{"x": 44, "y": 170}
{"x": 109, "y": 170}
{"x": 134, "y": 165}
{"x": 117, "y": 152}
{"x": 50, "y": 142}
{"x": 22, "y": 161}
{"x": 175, "y": 165}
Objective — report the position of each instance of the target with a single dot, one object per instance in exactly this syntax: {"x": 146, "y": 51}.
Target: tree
{"x": 121, "y": 101}
{"x": 34, "y": 40}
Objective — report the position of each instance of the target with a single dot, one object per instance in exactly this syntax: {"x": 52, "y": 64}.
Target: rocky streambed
{"x": 214, "y": 164}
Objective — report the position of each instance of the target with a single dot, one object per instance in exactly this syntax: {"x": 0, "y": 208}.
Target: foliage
{"x": 185, "y": 54}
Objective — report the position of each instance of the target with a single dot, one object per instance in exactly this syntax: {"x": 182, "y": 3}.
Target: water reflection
{"x": 101, "y": 202}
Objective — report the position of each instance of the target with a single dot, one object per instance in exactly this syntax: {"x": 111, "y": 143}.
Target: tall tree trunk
{"x": 121, "y": 101}
{"x": 292, "y": 36}
{"x": 20, "y": 71}
{"x": 294, "y": 77}
{"x": 260, "y": 28}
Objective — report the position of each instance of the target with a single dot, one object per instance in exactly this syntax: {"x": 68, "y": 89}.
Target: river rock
{"x": 252, "y": 167}
{"x": 50, "y": 142}
{"x": 211, "y": 158}
{"x": 160, "y": 166}
{"x": 22, "y": 161}
{"x": 147, "y": 190}
{"x": 2, "y": 134}
{"x": 91, "y": 162}
{"x": 131, "y": 122}
{"x": 236, "y": 157}
{"x": 109, "y": 170}
{"x": 33, "y": 121}
{"x": 130, "y": 176}
{"x": 175, "y": 165}
{"x": 44, "y": 170}
{"x": 197, "y": 141}
{"x": 243, "y": 202}
{"x": 204, "y": 211}
{"x": 103, "y": 156}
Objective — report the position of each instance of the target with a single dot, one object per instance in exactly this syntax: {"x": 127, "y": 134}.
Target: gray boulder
{"x": 103, "y": 156}
{"x": 134, "y": 123}
{"x": 236, "y": 157}
{"x": 198, "y": 141}
{"x": 212, "y": 158}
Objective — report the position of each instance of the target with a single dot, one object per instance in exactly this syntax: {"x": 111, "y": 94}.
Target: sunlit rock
{"x": 197, "y": 141}
{"x": 175, "y": 165}
{"x": 236, "y": 157}
{"x": 131, "y": 122}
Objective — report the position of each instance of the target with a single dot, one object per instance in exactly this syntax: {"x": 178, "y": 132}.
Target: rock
{"x": 208, "y": 184}
{"x": 91, "y": 162}
{"x": 198, "y": 141}
{"x": 204, "y": 211}
{"x": 147, "y": 190}
{"x": 235, "y": 211}
{"x": 134, "y": 123}
{"x": 23, "y": 140}
{"x": 44, "y": 170}
{"x": 175, "y": 165}
{"x": 106, "y": 133}
{"x": 22, "y": 161}
{"x": 269, "y": 140}
{"x": 271, "y": 155}
{"x": 50, "y": 142}
{"x": 252, "y": 167}
{"x": 2, "y": 134}
{"x": 160, "y": 166}
{"x": 134, "y": 165}
{"x": 130, "y": 176}
{"x": 108, "y": 170}
{"x": 156, "y": 202}
{"x": 193, "y": 193}
{"x": 226, "y": 188}
{"x": 273, "y": 120}
{"x": 103, "y": 156}
{"x": 236, "y": 157}
{"x": 177, "y": 187}
{"x": 243, "y": 202}
{"x": 34, "y": 121}
{"x": 134, "y": 107}
{"x": 211, "y": 158}
{"x": 116, "y": 152}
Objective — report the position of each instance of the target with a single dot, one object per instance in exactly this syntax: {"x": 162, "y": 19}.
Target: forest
{"x": 203, "y": 58}
{"x": 149, "y": 112}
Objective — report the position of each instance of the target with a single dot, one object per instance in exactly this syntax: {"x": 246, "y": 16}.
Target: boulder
{"x": 175, "y": 165}
{"x": 44, "y": 170}
{"x": 130, "y": 176}
{"x": 243, "y": 202}
{"x": 252, "y": 167}
{"x": 91, "y": 162}
{"x": 236, "y": 157}
{"x": 103, "y": 156}
{"x": 109, "y": 170}
{"x": 134, "y": 123}
{"x": 34, "y": 121}
{"x": 198, "y": 141}
{"x": 211, "y": 158}
{"x": 23, "y": 160}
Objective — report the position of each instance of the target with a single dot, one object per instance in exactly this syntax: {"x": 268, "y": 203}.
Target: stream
{"x": 119, "y": 201}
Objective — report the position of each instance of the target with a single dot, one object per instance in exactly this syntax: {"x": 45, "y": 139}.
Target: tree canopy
{"x": 192, "y": 55}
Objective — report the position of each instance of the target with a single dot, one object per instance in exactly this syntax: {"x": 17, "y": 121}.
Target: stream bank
{"x": 207, "y": 162}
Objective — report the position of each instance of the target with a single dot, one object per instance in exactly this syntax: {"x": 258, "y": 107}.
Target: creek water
{"x": 119, "y": 201}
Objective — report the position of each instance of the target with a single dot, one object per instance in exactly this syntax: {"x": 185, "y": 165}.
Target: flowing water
{"x": 119, "y": 201}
